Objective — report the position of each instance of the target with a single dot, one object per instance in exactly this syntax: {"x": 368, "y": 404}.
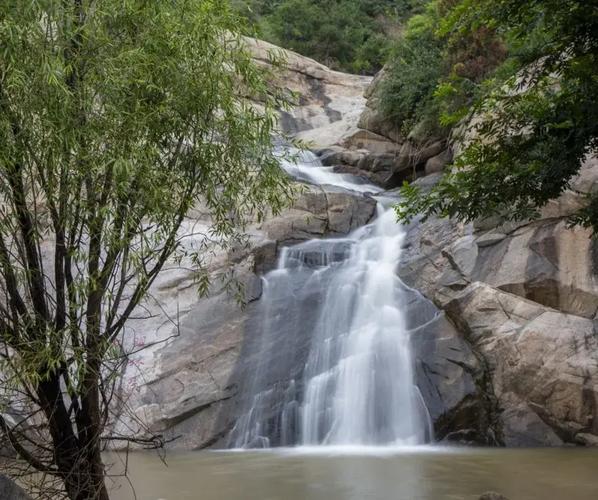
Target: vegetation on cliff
{"x": 116, "y": 117}
{"x": 527, "y": 72}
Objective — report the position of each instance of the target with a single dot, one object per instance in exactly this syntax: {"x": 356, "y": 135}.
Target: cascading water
{"x": 359, "y": 378}
{"x": 356, "y": 382}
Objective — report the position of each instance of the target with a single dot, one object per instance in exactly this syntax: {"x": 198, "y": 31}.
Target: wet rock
{"x": 189, "y": 389}
{"x": 451, "y": 381}
{"x": 464, "y": 437}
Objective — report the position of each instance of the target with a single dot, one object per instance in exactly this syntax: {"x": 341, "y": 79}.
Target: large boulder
{"x": 318, "y": 212}
{"x": 524, "y": 295}
{"x": 543, "y": 364}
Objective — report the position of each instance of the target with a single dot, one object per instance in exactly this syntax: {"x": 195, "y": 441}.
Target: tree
{"x": 349, "y": 35}
{"x": 535, "y": 124}
{"x": 116, "y": 117}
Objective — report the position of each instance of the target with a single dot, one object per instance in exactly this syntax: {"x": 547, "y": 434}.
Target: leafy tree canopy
{"x": 116, "y": 117}
{"x": 535, "y": 111}
{"x": 350, "y": 35}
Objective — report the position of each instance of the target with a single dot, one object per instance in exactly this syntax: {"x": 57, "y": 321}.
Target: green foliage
{"x": 407, "y": 91}
{"x": 349, "y": 35}
{"x": 536, "y": 117}
{"x": 434, "y": 78}
{"x": 116, "y": 118}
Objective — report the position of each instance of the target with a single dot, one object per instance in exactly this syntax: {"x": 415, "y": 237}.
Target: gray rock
{"x": 489, "y": 239}
{"x": 587, "y": 439}
{"x": 10, "y": 491}
{"x": 192, "y": 389}
{"x": 369, "y": 141}
{"x": 329, "y": 104}
{"x": 526, "y": 298}
{"x": 339, "y": 156}
{"x": 451, "y": 381}
{"x": 543, "y": 363}
{"x": 371, "y": 119}
{"x": 320, "y": 211}
{"x": 431, "y": 151}
{"x": 437, "y": 163}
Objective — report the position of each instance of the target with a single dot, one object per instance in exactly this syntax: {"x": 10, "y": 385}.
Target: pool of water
{"x": 422, "y": 473}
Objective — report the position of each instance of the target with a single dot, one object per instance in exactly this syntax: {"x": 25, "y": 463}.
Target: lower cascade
{"x": 356, "y": 382}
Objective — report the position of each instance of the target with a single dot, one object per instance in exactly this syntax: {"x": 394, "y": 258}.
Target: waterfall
{"x": 343, "y": 296}
{"x": 359, "y": 378}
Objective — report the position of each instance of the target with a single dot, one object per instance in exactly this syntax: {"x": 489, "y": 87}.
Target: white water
{"x": 308, "y": 168}
{"x": 359, "y": 375}
{"x": 357, "y": 386}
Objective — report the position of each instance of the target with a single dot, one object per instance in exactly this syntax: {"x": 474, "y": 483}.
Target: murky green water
{"x": 415, "y": 474}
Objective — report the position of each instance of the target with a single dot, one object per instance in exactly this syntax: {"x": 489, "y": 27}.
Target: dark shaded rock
{"x": 437, "y": 163}
{"x": 10, "y": 491}
{"x": 464, "y": 437}
{"x": 587, "y": 439}
{"x": 449, "y": 375}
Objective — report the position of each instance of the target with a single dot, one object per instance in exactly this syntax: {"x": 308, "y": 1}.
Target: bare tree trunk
{"x": 78, "y": 458}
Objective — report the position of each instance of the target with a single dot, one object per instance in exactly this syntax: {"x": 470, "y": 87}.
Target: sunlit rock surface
{"x": 329, "y": 103}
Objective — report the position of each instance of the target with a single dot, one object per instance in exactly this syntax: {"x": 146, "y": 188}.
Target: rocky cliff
{"x": 511, "y": 359}
{"x": 183, "y": 378}
{"x": 523, "y": 297}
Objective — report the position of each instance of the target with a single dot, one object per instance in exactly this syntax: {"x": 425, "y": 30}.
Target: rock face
{"x": 525, "y": 298}
{"x": 185, "y": 386}
{"x": 380, "y": 151}
{"x": 191, "y": 389}
{"x": 329, "y": 102}
{"x": 10, "y": 491}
